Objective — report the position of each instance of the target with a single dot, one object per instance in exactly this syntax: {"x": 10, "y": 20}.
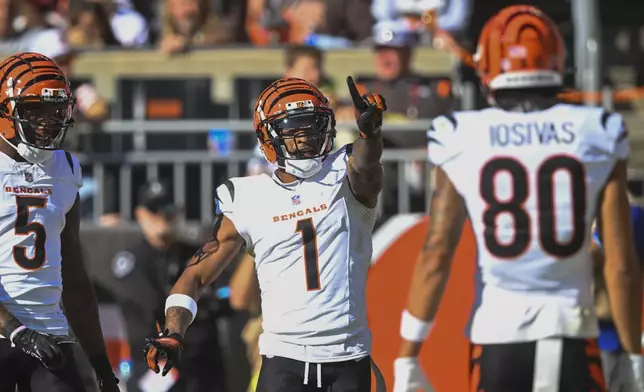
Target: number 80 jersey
{"x": 531, "y": 183}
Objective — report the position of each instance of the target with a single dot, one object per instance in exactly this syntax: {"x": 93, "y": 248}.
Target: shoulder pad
{"x": 68, "y": 163}
{"x": 234, "y": 200}
{"x": 615, "y": 132}
{"x": 345, "y": 150}
{"x": 442, "y": 145}
{"x": 339, "y": 157}
{"x": 614, "y": 125}
{"x": 224, "y": 197}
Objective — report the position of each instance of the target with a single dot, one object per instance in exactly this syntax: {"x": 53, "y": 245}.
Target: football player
{"x": 529, "y": 172}
{"x": 623, "y": 372}
{"x": 40, "y": 252}
{"x": 309, "y": 226}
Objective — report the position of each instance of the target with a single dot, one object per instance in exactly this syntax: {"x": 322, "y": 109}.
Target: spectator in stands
{"x": 409, "y": 96}
{"x": 307, "y": 62}
{"x": 30, "y": 22}
{"x": 348, "y": 19}
{"x": 281, "y": 21}
{"x": 90, "y": 27}
{"x": 187, "y": 23}
{"x": 304, "y": 18}
{"x": 129, "y": 27}
{"x": 146, "y": 272}
{"x": 331, "y": 23}
{"x": 7, "y": 14}
{"x": 58, "y": 16}
{"x": 451, "y": 16}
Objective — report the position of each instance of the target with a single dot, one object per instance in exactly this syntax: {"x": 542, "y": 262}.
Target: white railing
{"x": 401, "y": 160}
{"x": 209, "y": 162}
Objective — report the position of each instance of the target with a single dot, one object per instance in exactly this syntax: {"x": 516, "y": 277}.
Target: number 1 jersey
{"x": 312, "y": 245}
{"x": 35, "y": 200}
{"x": 531, "y": 183}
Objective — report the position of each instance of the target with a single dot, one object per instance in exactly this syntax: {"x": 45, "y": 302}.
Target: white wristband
{"x": 414, "y": 329}
{"x": 182, "y": 301}
{"x": 15, "y": 332}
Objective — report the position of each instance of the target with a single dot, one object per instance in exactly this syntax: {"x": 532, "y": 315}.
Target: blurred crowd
{"x": 176, "y": 25}
{"x": 62, "y": 28}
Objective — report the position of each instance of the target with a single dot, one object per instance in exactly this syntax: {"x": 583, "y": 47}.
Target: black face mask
{"x": 311, "y": 127}
{"x": 43, "y": 125}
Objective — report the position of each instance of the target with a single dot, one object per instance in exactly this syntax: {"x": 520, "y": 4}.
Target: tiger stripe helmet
{"x": 292, "y": 104}
{"x": 520, "y": 47}
{"x": 36, "y": 101}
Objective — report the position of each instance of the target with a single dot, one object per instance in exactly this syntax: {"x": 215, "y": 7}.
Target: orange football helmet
{"x": 291, "y": 108}
{"x": 36, "y": 102}
{"x": 520, "y": 47}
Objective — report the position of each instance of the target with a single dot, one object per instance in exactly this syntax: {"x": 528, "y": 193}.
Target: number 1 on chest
{"x": 310, "y": 243}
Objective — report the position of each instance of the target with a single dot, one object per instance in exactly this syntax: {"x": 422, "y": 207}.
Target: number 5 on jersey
{"x": 23, "y": 227}
{"x": 310, "y": 242}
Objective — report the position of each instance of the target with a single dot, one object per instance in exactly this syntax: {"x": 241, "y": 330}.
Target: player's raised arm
{"x": 364, "y": 168}
{"x": 447, "y": 216}
{"x": 80, "y": 302}
{"x": 204, "y": 267}
{"x": 621, "y": 267}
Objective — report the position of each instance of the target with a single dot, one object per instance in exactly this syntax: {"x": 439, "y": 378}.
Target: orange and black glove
{"x": 370, "y": 108}
{"x": 163, "y": 346}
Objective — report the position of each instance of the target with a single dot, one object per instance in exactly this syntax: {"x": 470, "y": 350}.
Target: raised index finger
{"x": 358, "y": 102}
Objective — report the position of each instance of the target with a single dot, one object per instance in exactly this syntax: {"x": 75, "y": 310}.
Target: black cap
{"x": 156, "y": 196}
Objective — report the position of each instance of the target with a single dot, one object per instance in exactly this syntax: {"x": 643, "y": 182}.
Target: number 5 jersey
{"x": 312, "y": 245}
{"x": 35, "y": 200}
{"x": 531, "y": 183}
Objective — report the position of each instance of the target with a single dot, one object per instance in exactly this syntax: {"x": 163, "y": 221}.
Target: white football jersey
{"x": 312, "y": 245}
{"x": 35, "y": 199}
{"x": 531, "y": 183}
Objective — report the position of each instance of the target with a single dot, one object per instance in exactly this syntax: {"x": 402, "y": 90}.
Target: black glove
{"x": 39, "y": 345}
{"x": 163, "y": 346}
{"x": 107, "y": 381}
{"x": 370, "y": 108}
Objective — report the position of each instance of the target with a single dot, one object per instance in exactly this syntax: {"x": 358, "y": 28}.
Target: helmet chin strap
{"x": 303, "y": 168}
{"x": 33, "y": 154}
{"x": 30, "y": 154}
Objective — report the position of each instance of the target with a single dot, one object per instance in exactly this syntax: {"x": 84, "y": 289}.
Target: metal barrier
{"x": 401, "y": 159}
{"x": 398, "y": 160}
{"x": 206, "y": 161}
